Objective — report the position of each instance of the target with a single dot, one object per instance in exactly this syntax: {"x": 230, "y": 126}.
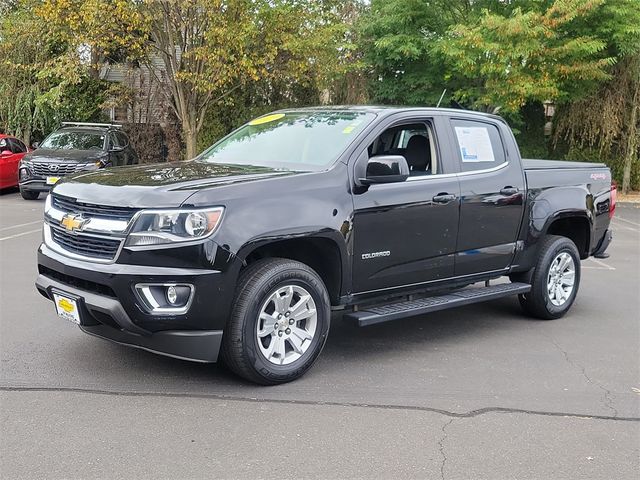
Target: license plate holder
{"x": 67, "y": 307}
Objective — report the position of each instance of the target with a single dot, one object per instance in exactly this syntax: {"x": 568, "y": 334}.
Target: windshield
{"x": 74, "y": 141}
{"x": 292, "y": 141}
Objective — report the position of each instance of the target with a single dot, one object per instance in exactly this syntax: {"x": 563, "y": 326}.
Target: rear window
{"x": 70, "y": 140}
{"x": 479, "y": 145}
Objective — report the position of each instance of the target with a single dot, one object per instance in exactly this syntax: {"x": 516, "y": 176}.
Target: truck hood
{"x": 46, "y": 155}
{"x": 161, "y": 185}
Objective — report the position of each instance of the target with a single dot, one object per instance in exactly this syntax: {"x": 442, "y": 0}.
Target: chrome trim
{"x": 143, "y": 294}
{"x": 48, "y": 241}
{"x": 486, "y": 170}
{"x": 95, "y": 224}
{"x": 459, "y": 174}
{"x": 429, "y": 177}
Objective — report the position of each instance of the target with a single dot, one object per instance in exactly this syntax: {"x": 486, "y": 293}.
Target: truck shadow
{"x": 348, "y": 351}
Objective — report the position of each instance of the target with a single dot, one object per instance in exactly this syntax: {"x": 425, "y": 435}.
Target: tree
{"x": 607, "y": 119}
{"x": 209, "y": 49}
{"x": 398, "y": 39}
{"x": 42, "y": 82}
{"x": 526, "y": 55}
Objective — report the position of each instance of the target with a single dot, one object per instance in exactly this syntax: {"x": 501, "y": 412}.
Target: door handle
{"x": 509, "y": 191}
{"x": 443, "y": 198}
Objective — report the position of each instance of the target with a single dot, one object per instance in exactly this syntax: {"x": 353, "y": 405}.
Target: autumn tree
{"x": 43, "y": 79}
{"x": 607, "y": 118}
{"x": 209, "y": 49}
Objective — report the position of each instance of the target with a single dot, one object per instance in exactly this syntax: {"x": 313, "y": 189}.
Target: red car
{"x": 11, "y": 152}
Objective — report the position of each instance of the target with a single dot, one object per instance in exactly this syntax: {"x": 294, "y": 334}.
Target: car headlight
{"x": 160, "y": 227}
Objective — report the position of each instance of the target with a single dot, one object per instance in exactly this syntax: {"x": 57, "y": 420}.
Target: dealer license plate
{"x": 52, "y": 180}
{"x": 67, "y": 308}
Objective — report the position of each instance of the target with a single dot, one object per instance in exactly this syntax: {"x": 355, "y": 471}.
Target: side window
{"x": 113, "y": 141}
{"x": 4, "y": 145}
{"x": 123, "y": 141}
{"x": 414, "y": 141}
{"x": 17, "y": 146}
{"x": 479, "y": 145}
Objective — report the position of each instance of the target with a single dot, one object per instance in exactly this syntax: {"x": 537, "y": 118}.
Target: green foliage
{"x": 531, "y": 55}
{"x": 42, "y": 84}
{"x": 398, "y": 39}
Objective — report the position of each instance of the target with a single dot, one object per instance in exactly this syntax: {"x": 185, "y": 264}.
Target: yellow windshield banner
{"x": 266, "y": 119}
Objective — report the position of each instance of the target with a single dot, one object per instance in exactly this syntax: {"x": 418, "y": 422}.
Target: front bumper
{"x": 110, "y": 309}
{"x": 194, "y": 345}
{"x": 35, "y": 185}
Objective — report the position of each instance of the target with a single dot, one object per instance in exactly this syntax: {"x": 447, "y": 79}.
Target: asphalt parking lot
{"x": 480, "y": 392}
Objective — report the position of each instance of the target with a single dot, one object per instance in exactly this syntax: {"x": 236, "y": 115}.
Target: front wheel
{"x": 279, "y": 323}
{"x": 555, "y": 279}
{"x": 29, "y": 194}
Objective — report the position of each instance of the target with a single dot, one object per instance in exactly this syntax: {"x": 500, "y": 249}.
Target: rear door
{"x": 405, "y": 233}
{"x": 492, "y": 190}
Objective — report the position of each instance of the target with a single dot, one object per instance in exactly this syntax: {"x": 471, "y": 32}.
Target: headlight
{"x": 160, "y": 227}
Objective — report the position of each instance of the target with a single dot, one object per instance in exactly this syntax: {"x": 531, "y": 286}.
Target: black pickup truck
{"x": 379, "y": 213}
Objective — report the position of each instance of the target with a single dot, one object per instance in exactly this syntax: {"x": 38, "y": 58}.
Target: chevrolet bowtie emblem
{"x": 74, "y": 223}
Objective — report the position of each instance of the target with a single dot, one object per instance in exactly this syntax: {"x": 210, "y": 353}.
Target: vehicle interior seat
{"x": 418, "y": 155}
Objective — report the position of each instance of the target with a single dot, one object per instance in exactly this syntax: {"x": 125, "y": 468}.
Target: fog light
{"x": 172, "y": 295}
{"x": 165, "y": 298}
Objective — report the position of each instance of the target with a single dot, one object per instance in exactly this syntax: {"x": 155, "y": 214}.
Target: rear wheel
{"x": 555, "y": 279}
{"x": 29, "y": 194}
{"x": 279, "y": 324}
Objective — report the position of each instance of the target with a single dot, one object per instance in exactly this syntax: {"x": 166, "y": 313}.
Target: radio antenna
{"x": 441, "y": 97}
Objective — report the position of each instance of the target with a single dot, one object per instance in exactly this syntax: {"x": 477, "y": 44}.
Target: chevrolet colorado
{"x": 381, "y": 213}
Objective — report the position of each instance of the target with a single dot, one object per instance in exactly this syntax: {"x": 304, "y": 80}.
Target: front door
{"x": 405, "y": 233}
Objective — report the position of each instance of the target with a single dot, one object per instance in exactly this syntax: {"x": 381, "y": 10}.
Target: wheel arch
{"x": 322, "y": 253}
{"x": 575, "y": 226}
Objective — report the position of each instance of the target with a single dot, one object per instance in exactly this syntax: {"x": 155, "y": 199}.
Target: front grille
{"x": 86, "y": 285}
{"x": 91, "y": 210}
{"x": 59, "y": 169}
{"x": 86, "y": 245}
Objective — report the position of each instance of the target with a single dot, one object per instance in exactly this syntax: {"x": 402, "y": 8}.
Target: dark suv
{"x": 75, "y": 147}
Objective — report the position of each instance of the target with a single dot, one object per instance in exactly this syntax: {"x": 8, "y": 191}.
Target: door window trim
{"x": 430, "y": 121}
{"x": 505, "y": 150}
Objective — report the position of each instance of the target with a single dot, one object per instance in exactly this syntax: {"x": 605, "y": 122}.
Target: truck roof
{"x": 391, "y": 109}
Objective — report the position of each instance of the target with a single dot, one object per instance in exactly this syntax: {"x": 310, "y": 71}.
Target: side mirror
{"x": 386, "y": 169}
{"x": 35, "y": 145}
{"x": 5, "y": 153}
{"x": 116, "y": 149}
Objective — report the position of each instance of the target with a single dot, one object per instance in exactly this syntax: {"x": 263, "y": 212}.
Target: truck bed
{"x": 535, "y": 164}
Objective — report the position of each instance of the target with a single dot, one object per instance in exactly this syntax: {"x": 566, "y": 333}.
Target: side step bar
{"x": 394, "y": 311}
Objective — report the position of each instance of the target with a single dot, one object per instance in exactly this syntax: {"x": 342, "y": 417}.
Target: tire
{"x": 29, "y": 194}
{"x": 247, "y": 347}
{"x": 545, "y": 301}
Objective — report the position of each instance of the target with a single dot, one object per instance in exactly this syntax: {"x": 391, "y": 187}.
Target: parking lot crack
{"x": 441, "y": 448}
{"x": 607, "y": 396}
{"x": 234, "y": 398}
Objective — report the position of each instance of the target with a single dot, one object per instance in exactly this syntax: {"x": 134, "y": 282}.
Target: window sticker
{"x": 475, "y": 144}
{"x": 352, "y": 126}
{"x": 266, "y": 119}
